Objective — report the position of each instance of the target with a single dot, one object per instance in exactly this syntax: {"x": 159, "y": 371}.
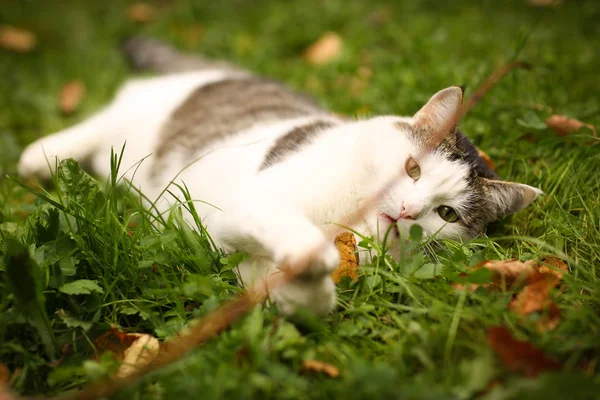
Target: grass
{"x": 97, "y": 258}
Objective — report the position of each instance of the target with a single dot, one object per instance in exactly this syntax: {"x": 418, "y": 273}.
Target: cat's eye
{"x": 412, "y": 169}
{"x": 447, "y": 214}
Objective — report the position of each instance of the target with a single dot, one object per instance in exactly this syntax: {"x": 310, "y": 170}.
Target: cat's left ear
{"x": 509, "y": 197}
{"x": 439, "y": 117}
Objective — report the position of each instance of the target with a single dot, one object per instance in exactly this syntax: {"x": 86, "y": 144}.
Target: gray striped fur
{"x": 223, "y": 108}
{"x": 293, "y": 140}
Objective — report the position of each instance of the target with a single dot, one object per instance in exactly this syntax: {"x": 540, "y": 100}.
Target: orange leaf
{"x": 563, "y": 125}
{"x": 133, "y": 349}
{"x": 320, "y": 366}
{"x": 517, "y": 355}
{"x": 17, "y": 39}
{"x": 505, "y": 273}
{"x": 559, "y": 266}
{"x": 115, "y": 342}
{"x": 141, "y": 352}
{"x": 71, "y": 96}
{"x": 141, "y": 12}
{"x": 325, "y": 49}
{"x": 535, "y": 297}
{"x": 346, "y": 245}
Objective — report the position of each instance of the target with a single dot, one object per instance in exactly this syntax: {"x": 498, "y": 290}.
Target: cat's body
{"x": 274, "y": 172}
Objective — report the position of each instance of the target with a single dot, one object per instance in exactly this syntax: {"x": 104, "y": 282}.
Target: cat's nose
{"x": 410, "y": 211}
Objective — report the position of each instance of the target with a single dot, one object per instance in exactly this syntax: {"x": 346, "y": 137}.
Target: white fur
{"x": 284, "y": 212}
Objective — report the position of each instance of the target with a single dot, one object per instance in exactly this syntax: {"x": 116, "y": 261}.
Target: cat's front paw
{"x": 311, "y": 262}
{"x": 317, "y": 296}
{"x": 36, "y": 162}
{"x": 311, "y": 288}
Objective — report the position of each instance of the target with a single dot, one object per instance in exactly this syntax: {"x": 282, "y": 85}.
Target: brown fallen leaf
{"x": 319, "y": 366}
{"x": 506, "y": 273}
{"x": 558, "y": 266}
{"x": 536, "y": 295}
{"x": 325, "y": 49}
{"x": 346, "y": 245}
{"x": 563, "y": 125}
{"x": 141, "y": 353}
{"x": 135, "y": 350}
{"x": 141, "y": 12}
{"x": 17, "y": 39}
{"x": 487, "y": 159}
{"x": 71, "y": 95}
{"x": 113, "y": 341}
{"x": 536, "y": 298}
{"x": 517, "y": 355}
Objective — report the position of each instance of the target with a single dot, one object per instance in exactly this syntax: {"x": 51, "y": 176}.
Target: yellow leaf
{"x": 346, "y": 245}
{"x": 141, "y": 352}
{"x": 325, "y": 49}
{"x": 17, "y": 39}
{"x": 71, "y": 96}
{"x": 141, "y": 12}
{"x": 563, "y": 125}
{"x": 320, "y": 366}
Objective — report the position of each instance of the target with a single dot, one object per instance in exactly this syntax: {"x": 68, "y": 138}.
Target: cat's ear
{"x": 509, "y": 197}
{"x": 439, "y": 117}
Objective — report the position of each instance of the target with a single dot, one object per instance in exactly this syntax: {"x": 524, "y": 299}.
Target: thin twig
{"x": 490, "y": 82}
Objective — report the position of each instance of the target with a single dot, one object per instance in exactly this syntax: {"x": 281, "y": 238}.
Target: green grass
{"x": 395, "y": 333}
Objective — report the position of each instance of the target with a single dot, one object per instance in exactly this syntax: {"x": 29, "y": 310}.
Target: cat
{"x": 275, "y": 172}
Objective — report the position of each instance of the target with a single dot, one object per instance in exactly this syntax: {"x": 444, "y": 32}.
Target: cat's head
{"x": 446, "y": 187}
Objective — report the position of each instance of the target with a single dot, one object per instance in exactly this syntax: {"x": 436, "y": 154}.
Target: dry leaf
{"x": 141, "y": 12}
{"x": 488, "y": 161}
{"x": 115, "y": 342}
{"x": 559, "y": 267}
{"x": 346, "y": 245}
{"x": 506, "y": 273}
{"x": 563, "y": 125}
{"x": 142, "y": 351}
{"x": 325, "y": 49}
{"x": 133, "y": 349}
{"x": 71, "y": 96}
{"x": 17, "y": 39}
{"x": 536, "y": 298}
{"x": 320, "y": 366}
{"x": 517, "y": 355}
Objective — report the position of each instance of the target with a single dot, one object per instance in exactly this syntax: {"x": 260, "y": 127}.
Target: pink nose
{"x": 409, "y": 211}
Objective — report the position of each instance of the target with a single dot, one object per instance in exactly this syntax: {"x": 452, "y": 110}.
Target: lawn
{"x": 81, "y": 256}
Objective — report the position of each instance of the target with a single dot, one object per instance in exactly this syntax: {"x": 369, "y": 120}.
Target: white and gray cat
{"x": 276, "y": 172}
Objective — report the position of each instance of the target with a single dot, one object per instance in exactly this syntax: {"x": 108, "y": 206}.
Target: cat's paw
{"x": 317, "y": 296}
{"x": 316, "y": 261}
{"x": 312, "y": 289}
{"x": 38, "y": 160}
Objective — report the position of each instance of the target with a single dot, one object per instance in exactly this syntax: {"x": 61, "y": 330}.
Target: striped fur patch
{"x": 221, "y": 109}
{"x": 292, "y": 141}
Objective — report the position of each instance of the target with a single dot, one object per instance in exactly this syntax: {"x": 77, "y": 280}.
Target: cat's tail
{"x": 150, "y": 54}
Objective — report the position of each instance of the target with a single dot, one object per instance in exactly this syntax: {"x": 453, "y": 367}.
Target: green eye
{"x": 447, "y": 213}
{"x": 412, "y": 169}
